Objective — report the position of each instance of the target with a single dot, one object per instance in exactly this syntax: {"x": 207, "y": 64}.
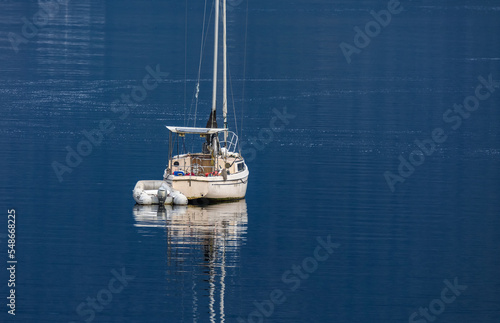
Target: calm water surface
{"x": 87, "y": 254}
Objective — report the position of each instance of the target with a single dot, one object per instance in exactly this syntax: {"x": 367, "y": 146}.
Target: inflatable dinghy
{"x": 157, "y": 192}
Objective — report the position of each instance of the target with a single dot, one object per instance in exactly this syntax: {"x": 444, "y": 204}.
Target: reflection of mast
{"x": 210, "y": 235}
{"x": 195, "y": 301}
{"x": 223, "y": 274}
{"x": 212, "y": 292}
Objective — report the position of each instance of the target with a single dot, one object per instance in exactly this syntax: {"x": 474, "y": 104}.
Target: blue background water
{"x": 323, "y": 175}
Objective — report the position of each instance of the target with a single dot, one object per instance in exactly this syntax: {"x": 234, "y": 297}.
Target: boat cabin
{"x": 216, "y": 153}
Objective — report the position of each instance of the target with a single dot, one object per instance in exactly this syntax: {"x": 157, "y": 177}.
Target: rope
{"x": 203, "y": 41}
{"x": 232, "y": 98}
{"x": 185, "y": 62}
{"x": 194, "y": 100}
{"x": 244, "y": 73}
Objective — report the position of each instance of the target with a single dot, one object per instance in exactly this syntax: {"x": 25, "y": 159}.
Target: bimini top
{"x": 192, "y": 130}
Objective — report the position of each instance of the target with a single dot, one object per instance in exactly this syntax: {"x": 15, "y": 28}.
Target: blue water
{"x": 318, "y": 177}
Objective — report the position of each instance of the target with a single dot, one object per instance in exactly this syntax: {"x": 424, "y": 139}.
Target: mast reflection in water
{"x": 203, "y": 245}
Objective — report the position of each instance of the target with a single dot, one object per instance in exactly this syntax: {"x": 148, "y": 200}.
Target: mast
{"x": 224, "y": 79}
{"x": 216, "y": 43}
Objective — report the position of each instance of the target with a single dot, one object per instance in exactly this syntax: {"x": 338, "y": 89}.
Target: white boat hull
{"x": 212, "y": 187}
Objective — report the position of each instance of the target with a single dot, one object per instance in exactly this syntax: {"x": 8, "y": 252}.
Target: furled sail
{"x": 212, "y": 120}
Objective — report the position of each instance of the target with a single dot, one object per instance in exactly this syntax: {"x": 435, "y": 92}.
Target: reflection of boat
{"x": 189, "y": 218}
{"x": 206, "y": 236}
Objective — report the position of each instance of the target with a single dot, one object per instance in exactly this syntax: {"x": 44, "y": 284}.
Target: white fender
{"x": 179, "y": 198}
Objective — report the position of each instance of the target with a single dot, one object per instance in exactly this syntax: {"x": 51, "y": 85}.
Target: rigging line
{"x": 244, "y": 74}
{"x": 195, "y": 94}
{"x": 185, "y": 61}
{"x": 204, "y": 36}
{"x": 203, "y": 42}
{"x": 196, "y": 90}
{"x": 232, "y": 98}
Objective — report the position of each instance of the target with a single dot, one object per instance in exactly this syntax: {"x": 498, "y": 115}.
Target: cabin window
{"x": 176, "y": 163}
{"x": 241, "y": 167}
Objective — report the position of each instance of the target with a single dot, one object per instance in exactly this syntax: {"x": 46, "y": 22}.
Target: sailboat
{"x": 218, "y": 170}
